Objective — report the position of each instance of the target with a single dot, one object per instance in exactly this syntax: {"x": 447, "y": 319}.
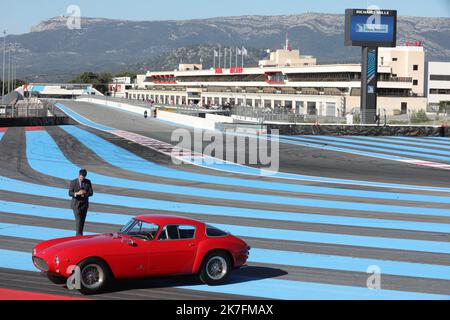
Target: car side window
{"x": 149, "y": 230}
{"x": 177, "y": 232}
{"x": 186, "y": 232}
{"x": 146, "y": 231}
{"x": 215, "y": 232}
{"x": 169, "y": 232}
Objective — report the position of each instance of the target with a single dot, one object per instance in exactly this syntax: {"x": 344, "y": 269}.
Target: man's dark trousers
{"x": 80, "y": 204}
{"x": 80, "y": 217}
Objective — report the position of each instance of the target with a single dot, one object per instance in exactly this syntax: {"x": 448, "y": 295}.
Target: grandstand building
{"x": 289, "y": 80}
{"x": 438, "y": 85}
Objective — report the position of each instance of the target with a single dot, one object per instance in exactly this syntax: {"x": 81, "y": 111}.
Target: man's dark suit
{"x": 80, "y": 204}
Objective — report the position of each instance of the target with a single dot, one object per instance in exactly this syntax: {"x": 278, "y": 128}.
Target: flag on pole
{"x": 225, "y": 59}
{"x": 216, "y": 54}
{"x": 238, "y": 52}
{"x": 244, "y": 53}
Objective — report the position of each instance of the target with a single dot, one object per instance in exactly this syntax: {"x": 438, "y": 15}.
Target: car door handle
{"x": 191, "y": 245}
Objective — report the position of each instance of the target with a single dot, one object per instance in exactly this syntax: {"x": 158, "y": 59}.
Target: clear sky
{"x": 18, "y": 16}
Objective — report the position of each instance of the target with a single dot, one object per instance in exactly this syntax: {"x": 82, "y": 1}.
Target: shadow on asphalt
{"x": 246, "y": 274}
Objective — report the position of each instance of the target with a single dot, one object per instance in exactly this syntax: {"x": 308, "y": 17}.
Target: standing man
{"x": 80, "y": 190}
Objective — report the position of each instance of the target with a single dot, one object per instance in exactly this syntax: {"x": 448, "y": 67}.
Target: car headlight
{"x": 57, "y": 261}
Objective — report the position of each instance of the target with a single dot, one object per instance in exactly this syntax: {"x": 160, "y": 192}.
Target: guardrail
{"x": 135, "y": 102}
{"x": 24, "y": 109}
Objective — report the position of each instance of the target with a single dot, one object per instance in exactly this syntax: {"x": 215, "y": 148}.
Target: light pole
{"x": 9, "y": 70}
{"x": 15, "y": 75}
{"x": 4, "y": 56}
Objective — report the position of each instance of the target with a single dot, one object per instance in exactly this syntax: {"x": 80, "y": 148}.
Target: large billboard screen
{"x": 371, "y": 28}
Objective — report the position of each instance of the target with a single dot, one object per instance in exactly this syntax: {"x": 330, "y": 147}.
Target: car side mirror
{"x": 131, "y": 243}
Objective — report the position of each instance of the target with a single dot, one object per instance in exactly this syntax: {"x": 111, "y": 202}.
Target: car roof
{"x": 164, "y": 219}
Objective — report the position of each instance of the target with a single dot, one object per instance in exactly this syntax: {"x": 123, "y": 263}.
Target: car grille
{"x": 40, "y": 263}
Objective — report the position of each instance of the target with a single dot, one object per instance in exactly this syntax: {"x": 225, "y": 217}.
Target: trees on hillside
{"x": 100, "y": 81}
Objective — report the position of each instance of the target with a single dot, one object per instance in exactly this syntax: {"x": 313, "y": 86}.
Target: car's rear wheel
{"x": 95, "y": 276}
{"x": 56, "y": 279}
{"x": 216, "y": 268}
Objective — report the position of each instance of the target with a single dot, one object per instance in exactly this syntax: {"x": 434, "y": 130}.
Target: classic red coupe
{"x": 147, "y": 246}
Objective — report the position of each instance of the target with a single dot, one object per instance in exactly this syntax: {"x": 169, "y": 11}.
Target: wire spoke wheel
{"x": 92, "y": 276}
{"x": 216, "y": 268}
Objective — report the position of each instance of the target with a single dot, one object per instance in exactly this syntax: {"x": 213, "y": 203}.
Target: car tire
{"x": 95, "y": 276}
{"x": 216, "y": 268}
{"x": 56, "y": 279}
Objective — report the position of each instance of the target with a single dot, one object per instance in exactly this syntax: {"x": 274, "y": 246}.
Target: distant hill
{"x": 52, "y": 52}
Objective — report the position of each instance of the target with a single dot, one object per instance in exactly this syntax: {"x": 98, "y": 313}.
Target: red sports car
{"x": 147, "y": 246}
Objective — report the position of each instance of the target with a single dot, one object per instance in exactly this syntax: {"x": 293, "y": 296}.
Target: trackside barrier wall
{"x": 218, "y": 118}
{"x": 196, "y": 122}
{"x": 245, "y": 119}
{"x": 36, "y": 121}
{"x": 207, "y": 123}
{"x": 367, "y": 130}
{"x": 118, "y": 105}
{"x": 212, "y": 122}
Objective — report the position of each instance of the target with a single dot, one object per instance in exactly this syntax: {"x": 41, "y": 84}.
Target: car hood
{"x": 81, "y": 244}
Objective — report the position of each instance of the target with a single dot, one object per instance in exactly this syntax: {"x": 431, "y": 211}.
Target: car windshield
{"x": 140, "y": 229}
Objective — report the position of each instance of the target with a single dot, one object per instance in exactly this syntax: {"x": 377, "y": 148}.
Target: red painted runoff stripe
{"x": 3, "y": 129}
{"x": 38, "y": 128}
{"x": 9, "y": 294}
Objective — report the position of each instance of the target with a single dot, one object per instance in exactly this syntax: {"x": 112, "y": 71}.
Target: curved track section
{"x": 313, "y": 158}
{"x": 310, "y": 239}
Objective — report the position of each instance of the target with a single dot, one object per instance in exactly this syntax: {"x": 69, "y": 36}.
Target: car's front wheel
{"x": 216, "y": 268}
{"x": 95, "y": 276}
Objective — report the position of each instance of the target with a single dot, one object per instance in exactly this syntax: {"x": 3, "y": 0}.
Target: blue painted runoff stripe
{"x": 340, "y": 204}
{"x": 33, "y": 232}
{"x": 258, "y": 255}
{"x": 121, "y": 219}
{"x": 240, "y": 169}
{"x": 429, "y": 144}
{"x": 303, "y": 236}
{"x": 296, "y": 290}
{"x": 307, "y": 143}
{"x": 201, "y": 209}
{"x": 264, "y": 288}
{"x": 354, "y": 147}
{"x": 20, "y": 208}
{"x": 44, "y": 156}
{"x": 12, "y": 185}
{"x": 321, "y": 261}
{"x": 444, "y": 141}
{"x": 388, "y": 146}
{"x": 339, "y": 239}
{"x": 16, "y": 260}
{"x": 248, "y": 171}
{"x": 82, "y": 119}
{"x": 119, "y": 157}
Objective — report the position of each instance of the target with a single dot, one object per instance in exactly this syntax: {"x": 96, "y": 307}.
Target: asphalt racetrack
{"x": 317, "y": 235}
